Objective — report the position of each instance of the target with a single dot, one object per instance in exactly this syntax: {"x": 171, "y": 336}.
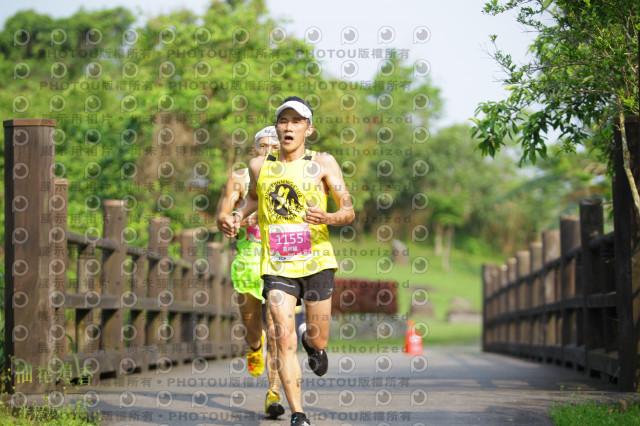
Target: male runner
{"x": 290, "y": 188}
{"x": 245, "y": 274}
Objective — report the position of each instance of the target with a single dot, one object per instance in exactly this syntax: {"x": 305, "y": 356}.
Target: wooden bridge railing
{"x": 125, "y": 308}
{"x": 574, "y": 298}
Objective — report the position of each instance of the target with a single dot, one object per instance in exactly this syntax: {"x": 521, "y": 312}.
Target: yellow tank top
{"x": 290, "y": 246}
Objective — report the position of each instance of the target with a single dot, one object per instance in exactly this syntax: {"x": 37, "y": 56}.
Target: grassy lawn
{"x": 72, "y": 415}
{"x": 439, "y": 334}
{"x": 592, "y": 413}
{"x": 463, "y": 280}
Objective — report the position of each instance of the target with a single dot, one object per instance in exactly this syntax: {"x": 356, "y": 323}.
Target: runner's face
{"x": 267, "y": 145}
{"x": 292, "y": 129}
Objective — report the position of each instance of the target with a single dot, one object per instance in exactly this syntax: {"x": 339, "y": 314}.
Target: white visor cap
{"x": 269, "y": 131}
{"x": 300, "y": 108}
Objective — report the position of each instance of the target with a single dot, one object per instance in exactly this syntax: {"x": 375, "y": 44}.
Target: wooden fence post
{"x": 591, "y": 226}
{"x": 548, "y": 251}
{"x": 86, "y": 328}
{"x": 490, "y": 283}
{"x": 533, "y": 295}
{"x": 486, "y": 278}
{"x": 512, "y": 276}
{"x": 156, "y": 327}
{"x": 113, "y": 282}
{"x": 199, "y": 297}
{"x": 524, "y": 302}
{"x": 569, "y": 239}
{"x": 503, "y": 331}
{"x": 139, "y": 291}
{"x": 571, "y": 321}
{"x": 627, "y": 257}
{"x": 513, "y": 305}
{"x": 188, "y": 284}
{"x": 28, "y": 179}
{"x": 58, "y": 272}
{"x": 216, "y": 323}
{"x": 523, "y": 268}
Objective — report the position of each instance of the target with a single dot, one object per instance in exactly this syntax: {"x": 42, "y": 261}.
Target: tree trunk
{"x": 438, "y": 239}
{"x": 625, "y": 159}
{"x": 448, "y": 244}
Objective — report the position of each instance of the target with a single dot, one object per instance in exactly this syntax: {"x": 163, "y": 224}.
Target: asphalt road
{"x": 443, "y": 386}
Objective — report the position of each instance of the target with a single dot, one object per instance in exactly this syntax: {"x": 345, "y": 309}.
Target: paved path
{"x": 444, "y": 386}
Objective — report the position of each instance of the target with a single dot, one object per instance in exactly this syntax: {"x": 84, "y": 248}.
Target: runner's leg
{"x": 282, "y": 308}
{"x": 272, "y": 355}
{"x": 318, "y": 319}
{"x": 251, "y": 313}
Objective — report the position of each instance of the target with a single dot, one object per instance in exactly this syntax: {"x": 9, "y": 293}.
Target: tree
{"x": 493, "y": 204}
{"x": 454, "y": 168}
{"x": 158, "y": 125}
{"x": 179, "y": 98}
{"x": 583, "y": 73}
{"x": 378, "y": 132}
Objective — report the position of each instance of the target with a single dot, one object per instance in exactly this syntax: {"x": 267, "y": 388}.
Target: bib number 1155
{"x": 290, "y": 242}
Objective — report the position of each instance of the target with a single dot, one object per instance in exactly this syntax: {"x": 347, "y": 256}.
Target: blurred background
{"x": 156, "y": 102}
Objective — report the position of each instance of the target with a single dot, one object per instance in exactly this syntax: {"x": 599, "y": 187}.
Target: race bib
{"x": 289, "y": 242}
{"x": 253, "y": 233}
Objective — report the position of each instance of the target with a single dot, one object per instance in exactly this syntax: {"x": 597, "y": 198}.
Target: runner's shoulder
{"x": 326, "y": 160}
{"x": 255, "y": 164}
{"x": 323, "y": 158}
{"x": 240, "y": 174}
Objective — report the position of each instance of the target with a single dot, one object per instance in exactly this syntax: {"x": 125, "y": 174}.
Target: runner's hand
{"x": 315, "y": 215}
{"x": 231, "y": 225}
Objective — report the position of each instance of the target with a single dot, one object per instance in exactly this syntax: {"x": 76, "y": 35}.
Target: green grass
{"x": 439, "y": 334}
{"x": 463, "y": 279}
{"x": 72, "y": 415}
{"x": 444, "y": 333}
{"x": 593, "y": 413}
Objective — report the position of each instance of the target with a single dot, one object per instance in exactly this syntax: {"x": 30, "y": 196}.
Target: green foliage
{"x": 159, "y": 114}
{"x": 457, "y": 175}
{"x": 583, "y": 71}
{"x": 179, "y": 98}
{"x": 496, "y": 206}
{"x": 378, "y": 132}
{"x": 75, "y": 414}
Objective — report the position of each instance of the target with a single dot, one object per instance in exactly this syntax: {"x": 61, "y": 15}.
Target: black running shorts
{"x": 315, "y": 287}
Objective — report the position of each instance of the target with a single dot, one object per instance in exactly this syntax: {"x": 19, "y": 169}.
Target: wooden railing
{"x": 79, "y": 306}
{"x": 556, "y": 302}
{"x": 574, "y": 298}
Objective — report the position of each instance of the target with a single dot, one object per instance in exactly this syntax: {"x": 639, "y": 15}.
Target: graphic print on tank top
{"x": 287, "y": 241}
{"x": 284, "y": 199}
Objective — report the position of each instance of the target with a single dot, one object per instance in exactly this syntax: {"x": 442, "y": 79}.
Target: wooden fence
{"x": 574, "y": 298}
{"x": 125, "y": 308}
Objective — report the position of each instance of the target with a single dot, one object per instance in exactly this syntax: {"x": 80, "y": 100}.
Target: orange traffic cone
{"x": 412, "y": 340}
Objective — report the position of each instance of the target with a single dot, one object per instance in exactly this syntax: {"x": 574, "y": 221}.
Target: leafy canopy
{"x": 158, "y": 113}
{"x": 583, "y": 71}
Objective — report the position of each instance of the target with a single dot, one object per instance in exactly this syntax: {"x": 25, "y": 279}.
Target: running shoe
{"x": 272, "y": 405}
{"x": 318, "y": 361}
{"x": 299, "y": 419}
{"x": 255, "y": 359}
